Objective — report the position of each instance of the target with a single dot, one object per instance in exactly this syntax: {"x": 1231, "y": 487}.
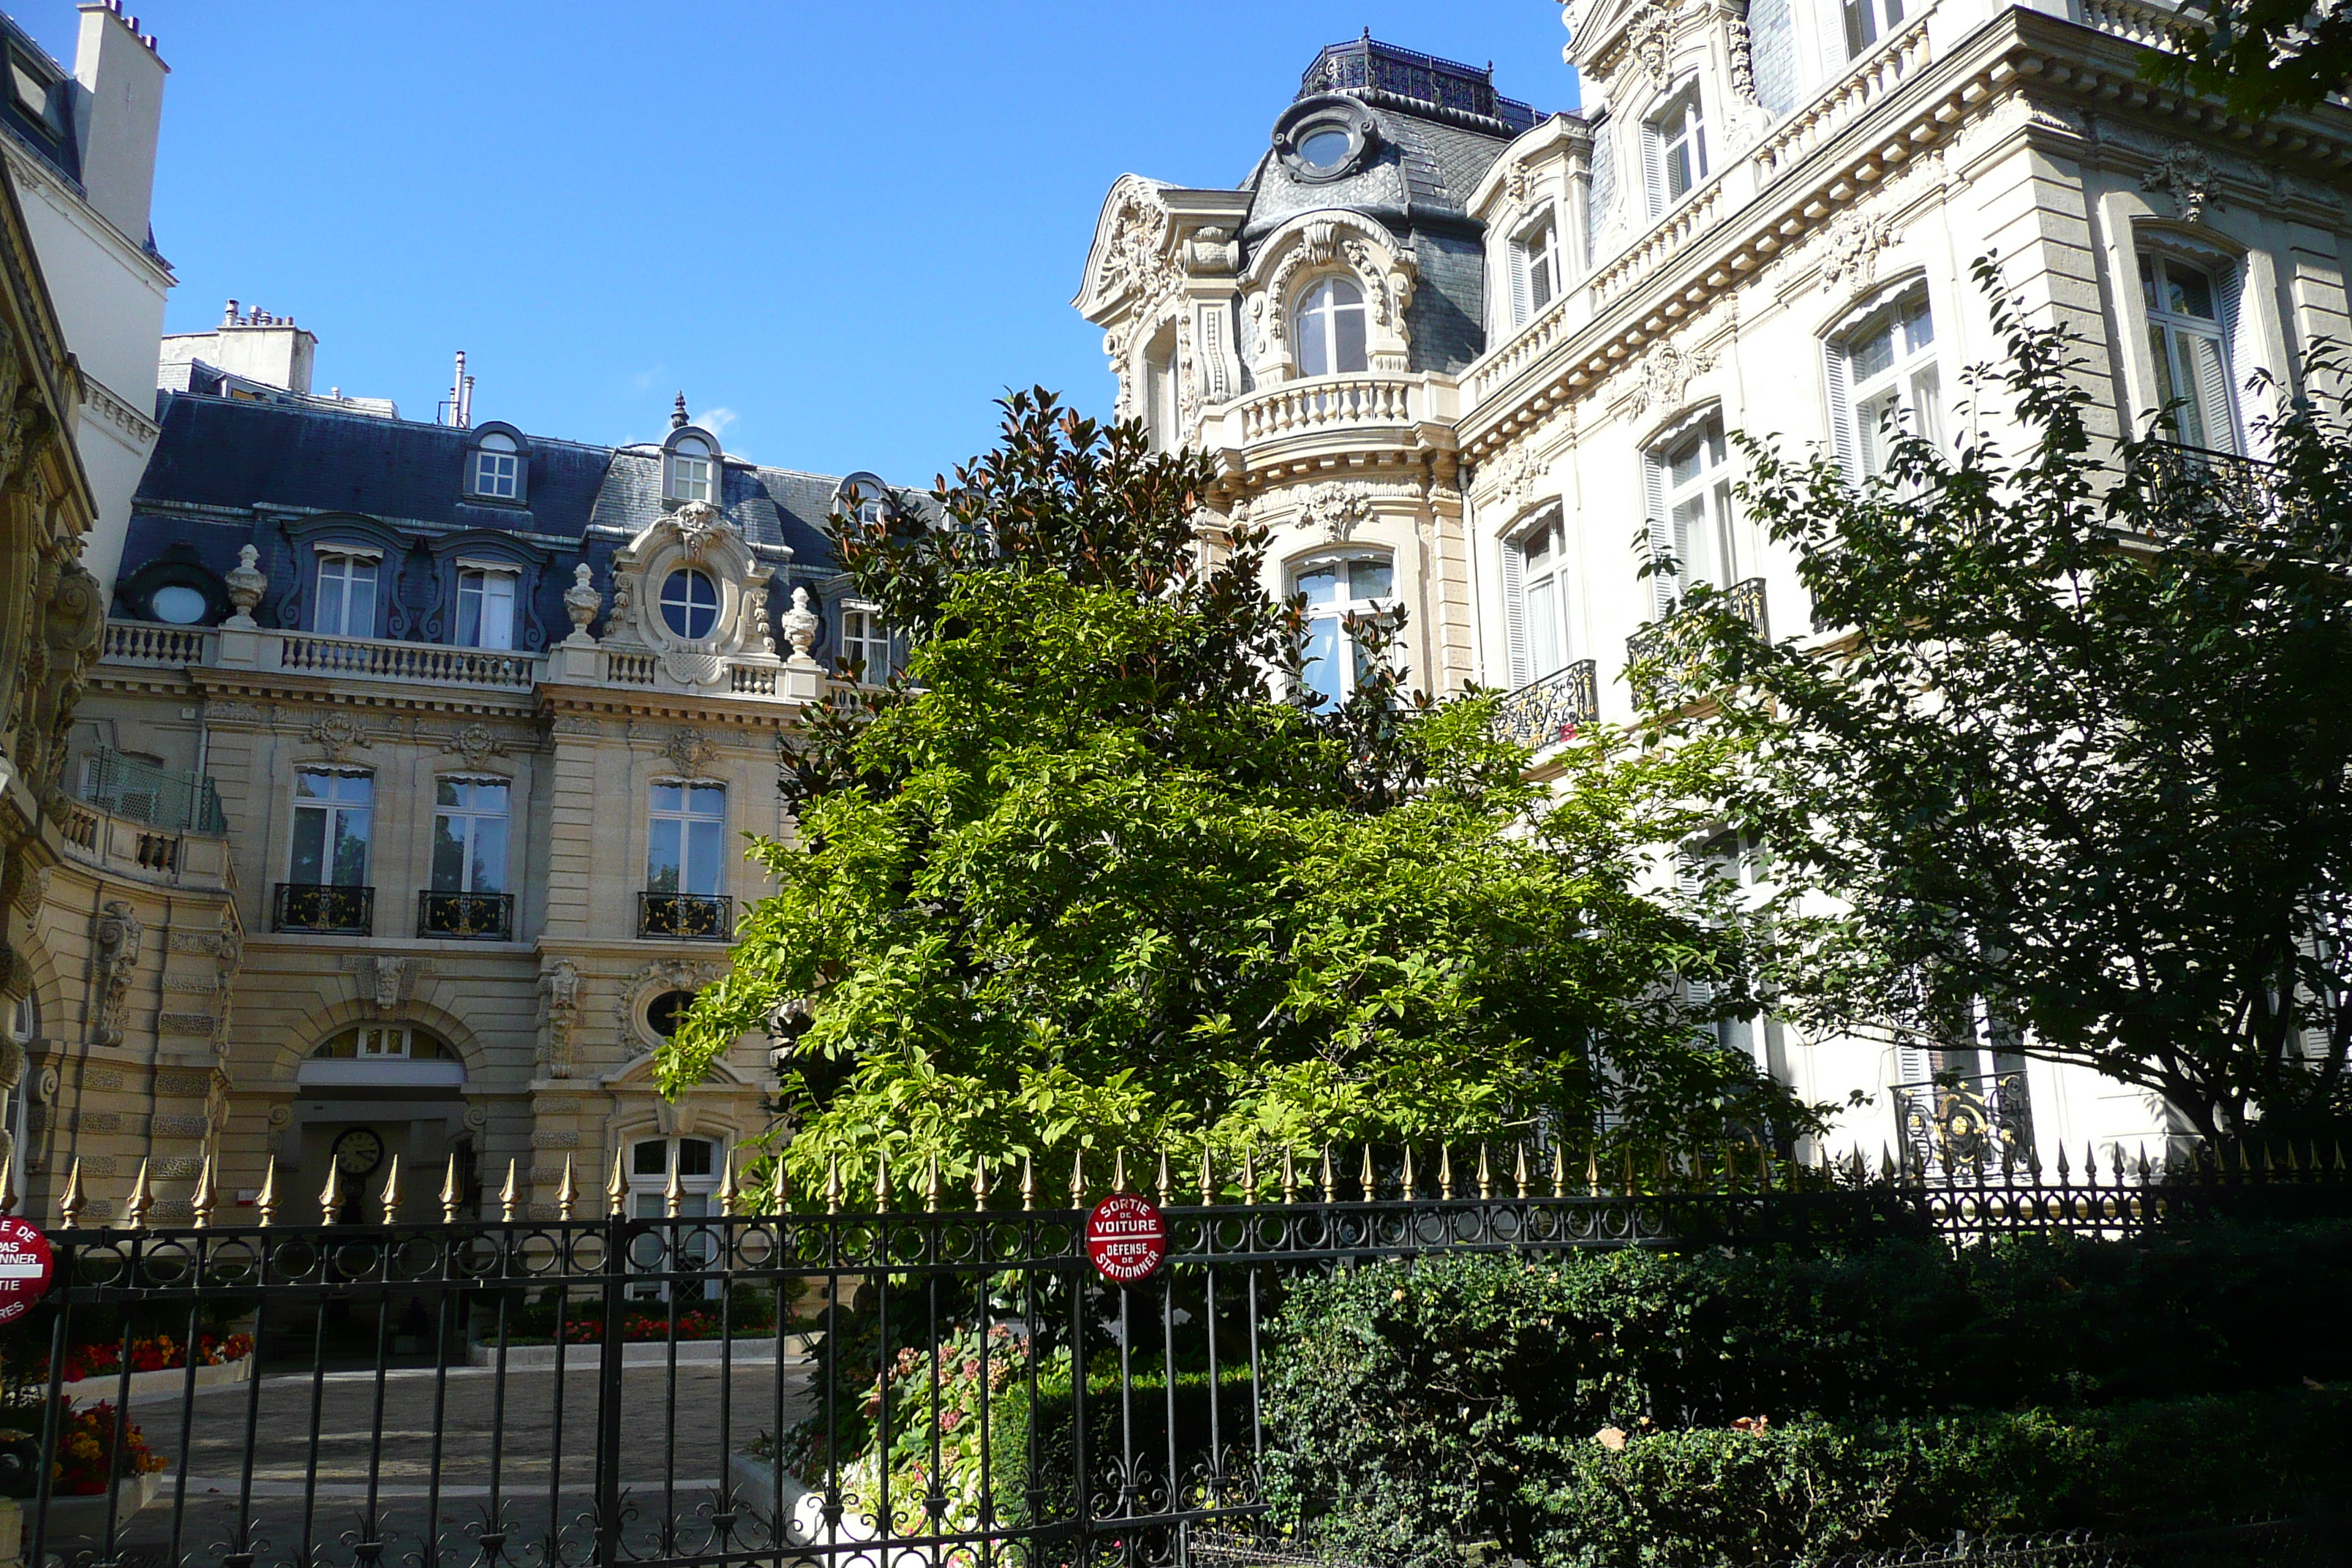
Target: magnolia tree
{"x": 2066, "y": 753}
{"x": 1085, "y": 878}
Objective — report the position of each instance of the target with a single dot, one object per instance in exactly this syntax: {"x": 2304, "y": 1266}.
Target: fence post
{"x": 608, "y": 1385}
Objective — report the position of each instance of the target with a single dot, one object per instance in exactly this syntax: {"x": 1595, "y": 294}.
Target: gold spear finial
{"x": 1406, "y": 1178}
{"x": 1290, "y": 1177}
{"x": 1077, "y": 1178}
{"x": 1028, "y": 1182}
{"x": 1208, "y": 1178}
{"x": 200, "y": 1206}
{"x": 1328, "y": 1183}
{"x": 1520, "y": 1172}
{"x": 1369, "y": 1180}
{"x": 932, "y": 1185}
{"x": 616, "y": 1190}
{"x": 1166, "y": 1185}
{"x": 673, "y": 1191}
{"x": 134, "y": 1211}
{"x": 727, "y": 1183}
{"x": 1119, "y": 1170}
{"x": 266, "y": 1201}
{"x": 832, "y": 1185}
{"x": 509, "y": 1195}
{"x": 566, "y": 1194}
{"x": 1445, "y": 1171}
{"x": 782, "y": 1196}
{"x": 882, "y": 1179}
{"x": 1249, "y": 1176}
{"x": 1485, "y": 1175}
{"x": 329, "y": 1194}
{"x": 69, "y": 1206}
{"x": 979, "y": 1185}
{"x": 452, "y": 1195}
{"x": 392, "y": 1192}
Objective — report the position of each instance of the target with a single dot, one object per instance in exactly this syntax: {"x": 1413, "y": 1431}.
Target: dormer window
{"x": 345, "y": 605}
{"x": 1535, "y": 271}
{"x": 1331, "y": 328}
{"x": 689, "y": 604}
{"x": 690, "y": 471}
{"x": 486, "y": 605}
{"x": 1677, "y": 150}
{"x": 498, "y": 468}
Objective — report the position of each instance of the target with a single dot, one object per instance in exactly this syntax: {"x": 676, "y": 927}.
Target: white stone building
{"x": 1464, "y": 357}
{"x": 82, "y": 148}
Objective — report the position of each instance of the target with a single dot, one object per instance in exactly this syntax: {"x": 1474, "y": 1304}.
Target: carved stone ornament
{"x": 1650, "y": 38}
{"x": 688, "y": 750}
{"x": 119, "y": 933}
{"x": 641, "y": 985}
{"x": 1135, "y": 257}
{"x": 1663, "y": 374}
{"x": 247, "y": 585}
{"x": 474, "y": 743}
{"x": 1515, "y": 479}
{"x": 558, "y": 989}
{"x": 338, "y": 735}
{"x": 1850, "y": 249}
{"x": 2186, "y": 172}
{"x": 1335, "y": 509}
{"x": 801, "y": 624}
{"x": 580, "y": 601}
{"x": 386, "y": 982}
{"x": 698, "y": 525}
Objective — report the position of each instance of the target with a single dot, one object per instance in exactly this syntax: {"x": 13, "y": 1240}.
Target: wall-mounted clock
{"x": 359, "y": 1151}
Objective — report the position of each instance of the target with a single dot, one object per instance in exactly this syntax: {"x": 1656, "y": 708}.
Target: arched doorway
{"x": 369, "y": 1094}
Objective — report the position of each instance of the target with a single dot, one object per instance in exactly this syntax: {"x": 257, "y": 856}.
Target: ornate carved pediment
{"x": 1132, "y": 257}
{"x": 1332, "y": 241}
{"x": 1663, "y": 374}
{"x": 699, "y": 538}
{"x": 2186, "y": 172}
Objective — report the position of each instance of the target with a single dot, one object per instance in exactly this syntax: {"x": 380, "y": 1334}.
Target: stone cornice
{"x": 2023, "y": 55}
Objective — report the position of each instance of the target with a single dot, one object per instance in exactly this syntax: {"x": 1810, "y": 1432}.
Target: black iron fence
{"x": 329, "y": 909}
{"x": 936, "y": 1379}
{"x": 1553, "y": 708}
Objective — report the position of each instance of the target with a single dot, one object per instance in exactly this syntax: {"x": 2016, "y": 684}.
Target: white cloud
{"x": 716, "y": 420}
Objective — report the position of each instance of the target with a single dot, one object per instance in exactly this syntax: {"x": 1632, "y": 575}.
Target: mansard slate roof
{"x": 227, "y": 472}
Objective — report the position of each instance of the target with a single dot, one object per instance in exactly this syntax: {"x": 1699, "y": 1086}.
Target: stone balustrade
{"x": 1338, "y": 402}
{"x": 124, "y": 846}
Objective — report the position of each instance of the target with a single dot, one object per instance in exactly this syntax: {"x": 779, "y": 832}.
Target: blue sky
{"x": 848, "y": 227}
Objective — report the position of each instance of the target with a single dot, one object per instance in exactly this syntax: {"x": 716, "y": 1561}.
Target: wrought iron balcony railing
{"x": 2193, "y": 477}
{"x": 475, "y": 917}
{"x": 323, "y": 908}
{"x": 1965, "y": 1127}
{"x": 1547, "y": 712}
{"x": 1744, "y": 599}
{"x": 140, "y": 792}
{"x": 695, "y": 917}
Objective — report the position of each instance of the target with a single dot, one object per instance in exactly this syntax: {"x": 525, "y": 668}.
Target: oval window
{"x": 666, "y": 1012}
{"x": 178, "y": 603}
{"x": 689, "y": 603}
{"x": 1325, "y": 149}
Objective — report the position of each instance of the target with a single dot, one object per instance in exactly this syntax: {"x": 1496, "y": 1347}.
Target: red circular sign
{"x": 1126, "y": 1238}
{"x": 25, "y": 1267}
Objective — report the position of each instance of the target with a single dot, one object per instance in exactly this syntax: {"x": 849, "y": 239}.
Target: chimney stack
{"x": 119, "y": 114}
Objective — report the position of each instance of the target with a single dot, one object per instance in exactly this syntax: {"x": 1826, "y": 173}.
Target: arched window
{"x": 689, "y": 603}
{"x": 690, "y": 471}
{"x": 2188, "y": 312}
{"x": 385, "y": 1042}
{"x": 1883, "y": 381}
{"x": 345, "y": 603}
{"x": 1676, "y": 150}
{"x": 1331, "y": 328}
{"x": 1690, "y": 510}
{"x": 497, "y": 466}
{"x": 384, "y": 1056}
{"x": 1341, "y": 594}
{"x": 1537, "y": 600}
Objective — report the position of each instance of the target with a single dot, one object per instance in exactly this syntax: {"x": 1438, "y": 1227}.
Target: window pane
{"x": 309, "y": 858}
{"x": 1321, "y": 587}
{"x": 707, "y": 799}
{"x": 359, "y": 788}
{"x": 328, "y": 617}
{"x": 469, "y": 609}
{"x": 650, "y": 1158}
{"x": 489, "y": 857}
{"x": 1370, "y": 578}
{"x": 1322, "y": 671}
{"x": 2192, "y": 292}
{"x": 448, "y": 792}
{"x": 448, "y": 854}
{"x": 359, "y": 620}
{"x": 662, "y": 855}
{"x": 311, "y": 784}
{"x": 2147, "y": 281}
{"x": 1543, "y": 629}
{"x": 1348, "y": 354}
{"x": 702, "y": 855}
{"x": 694, "y": 1156}
{"x": 1314, "y": 359}
{"x": 1871, "y": 354}
{"x": 351, "y": 847}
{"x": 668, "y": 796}
{"x": 497, "y": 611}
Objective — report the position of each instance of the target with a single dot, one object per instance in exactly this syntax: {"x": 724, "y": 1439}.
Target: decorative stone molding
{"x": 642, "y": 986}
{"x": 1650, "y": 39}
{"x": 385, "y": 981}
{"x": 1663, "y": 375}
{"x": 2186, "y": 172}
{"x": 559, "y": 993}
{"x": 801, "y": 623}
{"x": 247, "y": 583}
{"x": 580, "y": 601}
{"x": 1336, "y": 508}
{"x": 119, "y": 932}
{"x": 183, "y": 1083}
{"x": 1333, "y": 241}
{"x": 474, "y": 743}
{"x": 690, "y": 751}
{"x": 1850, "y": 249}
{"x": 567, "y": 1137}
{"x": 338, "y": 735}
{"x": 184, "y": 1023}
{"x": 176, "y": 1124}
{"x": 695, "y": 535}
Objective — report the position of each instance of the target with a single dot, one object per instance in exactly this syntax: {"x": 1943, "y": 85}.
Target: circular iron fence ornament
{"x": 26, "y": 1267}
{"x": 1127, "y": 1239}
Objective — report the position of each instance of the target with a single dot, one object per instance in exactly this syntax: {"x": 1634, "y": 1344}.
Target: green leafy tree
{"x": 2068, "y": 749}
{"x": 2262, "y": 57}
{"x": 1084, "y": 879}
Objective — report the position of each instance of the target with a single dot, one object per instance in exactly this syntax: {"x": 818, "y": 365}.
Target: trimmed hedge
{"x": 1415, "y": 1410}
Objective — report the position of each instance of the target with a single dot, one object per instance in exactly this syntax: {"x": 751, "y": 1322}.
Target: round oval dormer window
{"x": 689, "y": 604}
{"x": 1326, "y": 148}
{"x": 177, "y": 605}
{"x": 666, "y": 1012}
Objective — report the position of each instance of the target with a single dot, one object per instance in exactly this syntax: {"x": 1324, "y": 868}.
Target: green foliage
{"x": 2263, "y": 58}
{"x": 1086, "y": 879}
{"x": 1458, "y": 1399}
{"x": 2077, "y": 760}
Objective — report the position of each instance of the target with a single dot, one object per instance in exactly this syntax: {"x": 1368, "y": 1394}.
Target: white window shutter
{"x": 1520, "y": 296}
{"x": 1662, "y": 589}
{"x": 1843, "y": 439}
{"x": 2217, "y": 382}
{"x": 1514, "y": 613}
{"x": 1654, "y": 170}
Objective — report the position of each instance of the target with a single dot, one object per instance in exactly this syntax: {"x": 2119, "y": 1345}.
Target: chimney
{"x": 118, "y": 115}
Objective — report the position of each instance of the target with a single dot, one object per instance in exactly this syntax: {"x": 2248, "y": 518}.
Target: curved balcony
{"x": 1335, "y": 413}
{"x": 1551, "y": 709}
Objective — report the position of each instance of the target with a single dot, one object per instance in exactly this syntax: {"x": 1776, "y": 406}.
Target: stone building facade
{"x": 414, "y": 785}
{"x": 1467, "y": 360}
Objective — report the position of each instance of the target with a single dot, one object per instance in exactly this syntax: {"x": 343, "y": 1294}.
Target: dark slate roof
{"x": 50, "y": 139}
{"x": 1422, "y": 171}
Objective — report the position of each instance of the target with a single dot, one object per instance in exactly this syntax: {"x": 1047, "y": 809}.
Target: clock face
{"x": 357, "y": 1152}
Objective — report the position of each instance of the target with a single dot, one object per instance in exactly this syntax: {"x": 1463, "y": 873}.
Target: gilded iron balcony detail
{"x": 1965, "y": 1128}
{"x": 1743, "y": 599}
{"x": 691, "y": 917}
{"x": 323, "y": 908}
{"x": 1555, "y": 707}
{"x": 469, "y": 917}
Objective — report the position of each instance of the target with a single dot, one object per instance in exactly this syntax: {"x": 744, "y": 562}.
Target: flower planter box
{"x": 87, "y": 1515}
{"x": 162, "y": 1383}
